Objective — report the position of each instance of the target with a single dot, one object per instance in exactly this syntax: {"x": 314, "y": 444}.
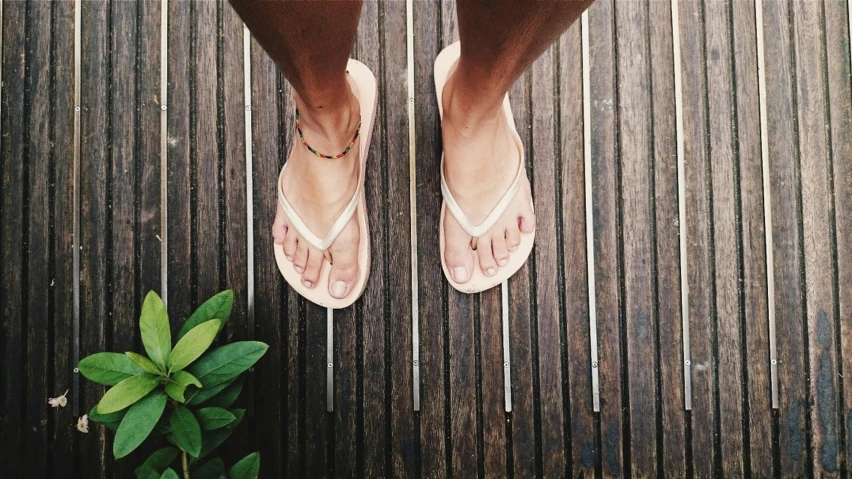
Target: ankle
{"x": 331, "y": 123}
{"x": 469, "y": 98}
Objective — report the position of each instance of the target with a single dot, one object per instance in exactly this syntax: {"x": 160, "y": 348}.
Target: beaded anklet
{"x": 304, "y": 142}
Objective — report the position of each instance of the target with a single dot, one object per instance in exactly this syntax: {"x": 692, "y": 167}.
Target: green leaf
{"x": 197, "y": 396}
{"x": 177, "y": 385}
{"x": 108, "y": 368}
{"x": 217, "y": 307}
{"x": 159, "y": 460}
{"x": 169, "y": 474}
{"x": 113, "y": 417}
{"x": 247, "y": 468}
{"x": 228, "y": 396}
{"x": 138, "y": 423}
{"x": 146, "y": 472}
{"x": 154, "y": 324}
{"x": 213, "y": 439}
{"x": 227, "y": 362}
{"x": 193, "y": 345}
{"x": 186, "y": 430}
{"x": 127, "y": 392}
{"x": 212, "y": 469}
{"x": 144, "y": 363}
{"x": 214, "y": 417}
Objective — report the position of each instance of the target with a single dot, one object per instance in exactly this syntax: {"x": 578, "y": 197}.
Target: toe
{"x": 279, "y": 229}
{"x": 513, "y": 238}
{"x": 300, "y": 260}
{"x": 344, "y": 262}
{"x": 486, "y": 258}
{"x": 499, "y": 249}
{"x": 290, "y": 241}
{"x": 312, "y": 269}
{"x": 526, "y": 223}
{"x": 457, "y": 251}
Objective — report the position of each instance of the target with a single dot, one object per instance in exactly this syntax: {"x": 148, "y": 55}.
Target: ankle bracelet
{"x": 330, "y": 157}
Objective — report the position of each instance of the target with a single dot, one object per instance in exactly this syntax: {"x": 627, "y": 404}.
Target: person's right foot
{"x": 319, "y": 190}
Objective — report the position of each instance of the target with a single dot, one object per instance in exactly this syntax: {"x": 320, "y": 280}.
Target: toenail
{"x": 338, "y": 289}
{"x": 289, "y": 258}
{"x": 490, "y": 272}
{"x": 299, "y": 269}
{"x": 459, "y": 273}
{"x": 307, "y": 283}
{"x": 503, "y": 261}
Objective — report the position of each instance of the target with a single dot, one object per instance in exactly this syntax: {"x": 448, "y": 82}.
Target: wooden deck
{"x": 687, "y": 311}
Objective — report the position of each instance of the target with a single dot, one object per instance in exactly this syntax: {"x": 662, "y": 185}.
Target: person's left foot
{"x": 481, "y": 159}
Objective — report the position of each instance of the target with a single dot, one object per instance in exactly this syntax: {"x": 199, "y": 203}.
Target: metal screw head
{"x": 164, "y": 107}
{"x": 76, "y": 108}
{"x": 505, "y": 365}
{"x": 416, "y": 362}
{"x": 330, "y": 365}
{"x": 687, "y": 362}
{"x": 594, "y": 364}
{"x": 76, "y": 370}
{"x": 774, "y": 362}
{"x": 411, "y": 100}
{"x": 248, "y": 107}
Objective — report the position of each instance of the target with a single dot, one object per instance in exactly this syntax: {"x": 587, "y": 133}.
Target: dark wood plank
{"x": 571, "y": 171}
{"x": 63, "y": 440}
{"x": 11, "y": 232}
{"x": 181, "y": 193}
{"x": 95, "y": 448}
{"x": 635, "y": 142}
{"x": 543, "y": 158}
{"x": 271, "y": 402}
{"x": 433, "y": 444}
{"x": 840, "y": 116}
{"x": 125, "y": 178}
{"x": 403, "y": 452}
{"x": 524, "y": 436}
{"x": 240, "y": 326}
{"x": 787, "y": 242}
{"x": 758, "y": 433}
{"x": 726, "y": 242}
{"x": 815, "y": 164}
{"x": 700, "y": 272}
{"x": 462, "y": 393}
{"x": 491, "y": 407}
{"x": 317, "y": 462}
{"x": 608, "y": 273}
{"x": 668, "y": 251}
{"x": 346, "y": 407}
{"x": 37, "y": 275}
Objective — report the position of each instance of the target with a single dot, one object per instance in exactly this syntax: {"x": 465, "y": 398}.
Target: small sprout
{"x": 60, "y": 401}
{"x": 83, "y": 423}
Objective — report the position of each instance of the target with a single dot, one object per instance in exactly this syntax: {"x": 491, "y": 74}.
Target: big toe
{"x": 279, "y": 229}
{"x": 457, "y": 251}
{"x": 344, "y": 262}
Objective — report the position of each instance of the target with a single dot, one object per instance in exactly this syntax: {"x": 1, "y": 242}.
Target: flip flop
{"x": 478, "y": 280}
{"x": 363, "y": 84}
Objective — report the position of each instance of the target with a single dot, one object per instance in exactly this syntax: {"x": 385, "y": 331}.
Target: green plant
{"x": 177, "y": 391}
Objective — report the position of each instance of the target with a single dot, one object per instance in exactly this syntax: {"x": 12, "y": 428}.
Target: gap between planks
{"x": 75, "y": 334}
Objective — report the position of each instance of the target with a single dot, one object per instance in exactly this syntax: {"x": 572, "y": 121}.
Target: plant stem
{"x": 185, "y": 464}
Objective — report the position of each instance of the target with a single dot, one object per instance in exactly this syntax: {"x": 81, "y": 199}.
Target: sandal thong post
{"x": 366, "y": 90}
{"x": 478, "y": 280}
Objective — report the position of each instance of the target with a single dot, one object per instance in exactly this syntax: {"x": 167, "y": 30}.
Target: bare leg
{"x": 311, "y": 41}
{"x": 499, "y": 40}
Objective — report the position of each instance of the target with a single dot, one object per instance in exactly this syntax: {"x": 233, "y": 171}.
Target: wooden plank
{"x": 724, "y": 175}
{"x": 699, "y": 210}
{"x": 37, "y": 272}
{"x": 549, "y": 331}
{"x": 62, "y": 442}
{"x": 181, "y": 193}
{"x": 839, "y": 56}
{"x": 606, "y": 216}
{"x": 433, "y": 406}
{"x": 816, "y": 213}
{"x": 786, "y": 207}
{"x": 668, "y": 252}
{"x": 316, "y": 437}
{"x": 572, "y": 236}
{"x": 635, "y": 142}
{"x": 346, "y": 403}
{"x": 491, "y": 413}
{"x": 271, "y": 402}
{"x": 240, "y": 326}
{"x": 398, "y": 329}
{"x": 758, "y": 433}
{"x": 11, "y": 231}
{"x": 95, "y": 449}
{"x": 524, "y": 441}
{"x": 463, "y": 382}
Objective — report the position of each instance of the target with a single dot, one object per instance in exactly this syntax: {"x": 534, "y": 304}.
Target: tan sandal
{"x": 366, "y": 91}
{"x": 478, "y": 280}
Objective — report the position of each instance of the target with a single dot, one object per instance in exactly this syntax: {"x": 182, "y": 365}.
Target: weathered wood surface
{"x": 461, "y": 429}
